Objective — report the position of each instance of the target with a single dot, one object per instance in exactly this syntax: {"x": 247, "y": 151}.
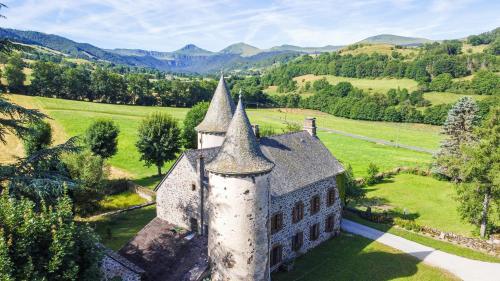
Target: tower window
{"x": 315, "y": 204}
{"x": 329, "y": 223}
{"x": 330, "y": 197}
{"x": 297, "y": 241}
{"x": 314, "y": 232}
{"x": 276, "y": 222}
{"x": 298, "y": 212}
{"x": 193, "y": 187}
{"x": 276, "y": 254}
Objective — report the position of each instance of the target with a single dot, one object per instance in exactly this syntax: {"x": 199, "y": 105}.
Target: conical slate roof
{"x": 220, "y": 112}
{"x": 240, "y": 153}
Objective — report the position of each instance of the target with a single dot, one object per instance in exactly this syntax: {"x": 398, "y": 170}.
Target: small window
{"x": 298, "y": 212}
{"x": 193, "y": 187}
{"x": 276, "y": 222}
{"x": 276, "y": 254}
{"x": 315, "y": 204}
{"x": 314, "y": 232}
{"x": 330, "y": 198}
{"x": 297, "y": 241}
{"x": 329, "y": 223}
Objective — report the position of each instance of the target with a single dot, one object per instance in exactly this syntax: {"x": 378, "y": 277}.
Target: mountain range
{"x": 190, "y": 58}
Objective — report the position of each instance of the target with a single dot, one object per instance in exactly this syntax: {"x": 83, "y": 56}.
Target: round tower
{"x": 239, "y": 199}
{"x": 212, "y": 129}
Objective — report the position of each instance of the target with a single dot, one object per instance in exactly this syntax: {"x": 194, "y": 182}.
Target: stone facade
{"x": 178, "y": 196}
{"x": 285, "y": 204}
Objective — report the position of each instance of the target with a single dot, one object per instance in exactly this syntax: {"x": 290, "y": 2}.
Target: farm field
{"x": 445, "y": 97}
{"x": 338, "y": 259}
{"x": 71, "y": 118}
{"x": 380, "y": 85}
{"x": 418, "y": 197}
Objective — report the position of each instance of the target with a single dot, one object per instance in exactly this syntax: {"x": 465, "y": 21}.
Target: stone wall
{"x": 113, "y": 265}
{"x": 176, "y": 201}
{"x": 285, "y": 204}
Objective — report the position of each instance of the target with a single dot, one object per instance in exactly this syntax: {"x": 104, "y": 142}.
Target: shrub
{"x": 372, "y": 174}
{"x": 39, "y": 137}
{"x": 441, "y": 82}
{"x": 101, "y": 138}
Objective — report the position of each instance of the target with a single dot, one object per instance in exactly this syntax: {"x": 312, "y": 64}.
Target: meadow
{"x": 446, "y": 97}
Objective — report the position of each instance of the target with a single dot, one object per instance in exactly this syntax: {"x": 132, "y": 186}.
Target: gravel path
{"x": 464, "y": 268}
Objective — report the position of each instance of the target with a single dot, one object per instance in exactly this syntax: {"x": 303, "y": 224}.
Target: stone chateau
{"x": 239, "y": 206}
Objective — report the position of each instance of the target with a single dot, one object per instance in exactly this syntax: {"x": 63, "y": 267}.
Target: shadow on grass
{"x": 350, "y": 257}
{"x": 149, "y": 182}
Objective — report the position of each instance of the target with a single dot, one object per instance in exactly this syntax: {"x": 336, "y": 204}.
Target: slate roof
{"x": 240, "y": 153}
{"x": 299, "y": 160}
{"x": 220, "y": 111}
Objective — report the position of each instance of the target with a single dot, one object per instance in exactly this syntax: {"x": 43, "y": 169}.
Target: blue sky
{"x": 169, "y": 25}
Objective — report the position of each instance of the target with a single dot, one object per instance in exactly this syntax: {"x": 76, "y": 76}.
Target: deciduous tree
{"x": 101, "y": 137}
{"x": 194, "y": 117}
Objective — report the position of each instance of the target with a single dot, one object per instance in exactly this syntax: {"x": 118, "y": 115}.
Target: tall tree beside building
{"x": 159, "y": 140}
{"x": 458, "y": 129}
{"x": 479, "y": 174}
{"x": 194, "y": 117}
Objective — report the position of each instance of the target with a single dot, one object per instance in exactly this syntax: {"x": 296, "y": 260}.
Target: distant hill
{"x": 309, "y": 50}
{"x": 192, "y": 50}
{"x": 395, "y": 40}
{"x": 241, "y": 49}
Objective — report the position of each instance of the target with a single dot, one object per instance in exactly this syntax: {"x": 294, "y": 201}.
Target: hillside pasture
{"x": 383, "y": 49}
{"x": 445, "y": 97}
{"x": 379, "y": 85}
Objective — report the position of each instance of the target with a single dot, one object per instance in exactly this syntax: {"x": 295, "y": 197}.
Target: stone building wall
{"x": 285, "y": 204}
{"x": 176, "y": 201}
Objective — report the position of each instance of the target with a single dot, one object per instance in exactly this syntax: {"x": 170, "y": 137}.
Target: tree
{"x": 486, "y": 82}
{"x": 194, "y": 117}
{"x": 159, "y": 139}
{"x": 372, "y": 174}
{"x": 101, "y": 138}
{"x": 479, "y": 174}
{"x": 16, "y": 119}
{"x": 458, "y": 129}
{"x": 46, "y": 80}
{"x": 441, "y": 82}
{"x": 39, "y": 138}
{"x": 14, "y": 73}
{"x": 42, "y": 243}
{"x": 353, "y": 191}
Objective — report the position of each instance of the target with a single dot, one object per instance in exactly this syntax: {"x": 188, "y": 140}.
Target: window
{"x": 330, "y": 197}
{"x": 315, "y": 204}
{"x": 297, "y": 241}
{"x": 329, "y": 223}
{"x": 193, "y": 187}
{"x": 298, "y": 212}
{"x": 194, "y": 224}
{"x": 276, "y": 255}
{"x": 314, "y": 232}
{"x": 276, "y": 222}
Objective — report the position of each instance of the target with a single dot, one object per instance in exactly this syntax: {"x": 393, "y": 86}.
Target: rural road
{"x": 463, "y": 268}
{"x": 360, "y": 137}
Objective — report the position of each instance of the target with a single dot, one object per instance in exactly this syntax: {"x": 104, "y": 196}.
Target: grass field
{"x": 445, "y": 97}
{"x": 352, "y": 257}
{"x": 380, "y": 85}
{"x": 120, "y": 201}
{"x": 385, "y": 49}
{"x": 429, "y": 201}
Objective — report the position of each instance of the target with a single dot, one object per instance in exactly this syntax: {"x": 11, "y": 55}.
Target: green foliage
{"x": 479, "y": 170}
{"x": 486, "y": 83}
{"x": 46, "y": 79}
{"x": 45, "y": 243}
{"x": 372, "y": 172}
{"x": 441, "y": 82}
{"x": 193, "y": 117}
{"x": 484, "y": 38}
{"x": 89, "y": 172}
{"x": 101, "y": 137}
{"x": 353, "y": 191}
{"x": 39, "y": 137}
{"x": 159, "y": 139}
{"x": 14, "y": 74}
{"x": 458, "y": 128}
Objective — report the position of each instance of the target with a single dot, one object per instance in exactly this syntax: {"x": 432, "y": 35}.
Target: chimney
{"x": 256, "y": 131}
{"x": 310, "y": 126}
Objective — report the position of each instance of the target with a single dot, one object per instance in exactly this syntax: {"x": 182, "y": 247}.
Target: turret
{"x": 212, "y": 129}
{"x": 239, "y": 199}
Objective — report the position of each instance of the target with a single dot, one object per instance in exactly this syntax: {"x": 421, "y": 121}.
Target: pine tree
{"x": 458, "y": 129}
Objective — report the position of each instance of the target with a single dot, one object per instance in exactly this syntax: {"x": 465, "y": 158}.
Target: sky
{"x": 168, "y": 25}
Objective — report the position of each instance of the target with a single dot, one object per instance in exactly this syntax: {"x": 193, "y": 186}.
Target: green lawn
{"x": 117, "y": 230}
{"x": 445, "y": 97}
{"x": 121, "y": 201}
{"x": 352, "y": 257}
{"x": 427, "y": 241}
{"x": 428, "y": 200}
